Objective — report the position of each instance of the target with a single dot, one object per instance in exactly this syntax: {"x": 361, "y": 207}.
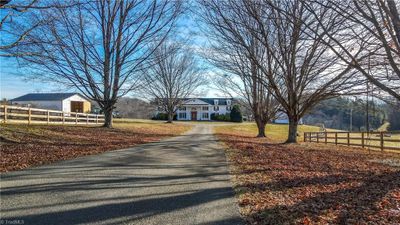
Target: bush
{"x": 162, "y": 116}
{"x": 220, "y": 117}
{"x": 236, "y": 114}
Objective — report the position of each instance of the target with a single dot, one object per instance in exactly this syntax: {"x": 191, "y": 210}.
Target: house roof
{"x": 221, "y": 101}
{"x": 46, "y": 96}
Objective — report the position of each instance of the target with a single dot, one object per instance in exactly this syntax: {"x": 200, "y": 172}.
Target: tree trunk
{"x": 261, "y": 128}
{"x": 292, "y": 136}
{"x": 108, "y": 117}
{"x": 395, "y": 17}
{"x": 170, "y": 117}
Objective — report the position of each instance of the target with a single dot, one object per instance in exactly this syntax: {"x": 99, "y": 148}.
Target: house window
{"x": 182, "y": 115}
{"x": 216, "y": 108}
{"x": 215, "y": 102}
{"x": 182, "y": 108}
{"x": 205, "y": 108}
{"x": 205, "y": 116}
{"x": 228, "y": 108}
{"x": 228, "y": 102}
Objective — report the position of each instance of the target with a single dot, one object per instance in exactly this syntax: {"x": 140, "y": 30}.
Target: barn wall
{"x": 54, "y": 105}
{"x": 67, "y": 103}
{"x": 86, "y": 107}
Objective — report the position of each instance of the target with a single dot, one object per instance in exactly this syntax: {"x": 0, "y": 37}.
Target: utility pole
{"x": 367, "y": 116}
{"x": 351, "y": 119}
{"x": 367, "y": 113}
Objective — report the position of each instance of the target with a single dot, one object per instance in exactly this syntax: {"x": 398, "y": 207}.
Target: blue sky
{"x": 14, "y": 82}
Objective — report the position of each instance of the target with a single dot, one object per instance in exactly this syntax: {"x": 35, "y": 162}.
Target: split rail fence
{"x": 16, "y": 114}
{"x": 373, "y": 140}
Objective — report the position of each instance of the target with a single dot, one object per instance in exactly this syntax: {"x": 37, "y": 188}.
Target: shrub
{"x": 162, "y": 116}
{"x": 220, "y": 117}
{"x": 236, "y": 114}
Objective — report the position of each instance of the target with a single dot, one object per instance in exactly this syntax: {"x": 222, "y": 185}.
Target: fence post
{"x": 317, "y": 137}
{"x": 348, "y": 138}
{"x": 326, "y": 137}
{"x": 382, "y": 145}
{"x": 76, "y": 118}
{"x": 48, "y": 116}
{"x": 362, "y": 139}
{"x": 97, "y": 119}
{"x": 29, "y": 115}
{"x": 5, "y": 113}
{"x": 87, "y": 118}
{"x": 305, "y": 136}
{"x": 63, "y": 117}
{"x": 335, "y": 138}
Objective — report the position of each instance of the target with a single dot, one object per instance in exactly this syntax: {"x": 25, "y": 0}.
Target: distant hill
{"x": 134, "y": 108}
{"x": 335, "y": 113}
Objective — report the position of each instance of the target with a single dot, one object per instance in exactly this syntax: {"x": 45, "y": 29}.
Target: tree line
{"x": 278, "y": 56}
{"x": 303, "y": 52}
{"x": 354, "y": 114}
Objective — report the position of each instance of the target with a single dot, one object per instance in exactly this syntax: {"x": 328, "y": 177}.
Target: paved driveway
{"x": 181, "y": 180}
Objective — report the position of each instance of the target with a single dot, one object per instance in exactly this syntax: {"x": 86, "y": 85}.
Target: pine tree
{"x": 236, "y": 114}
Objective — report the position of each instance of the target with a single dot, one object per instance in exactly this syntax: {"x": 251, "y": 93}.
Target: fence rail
{"x": 9, "y": 114}
{"x": 374, "y": 140}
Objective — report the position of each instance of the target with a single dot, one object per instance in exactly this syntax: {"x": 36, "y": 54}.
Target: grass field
{"x": 309, "y": 183}
{"x": 23, "y": 146}
{"x": 275, "y": 132}
{"x": 279, "y": 132}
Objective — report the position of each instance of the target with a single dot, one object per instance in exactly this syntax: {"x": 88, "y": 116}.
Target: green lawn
{"x": 276, "y": 132}
{"x": 279, "y": 132}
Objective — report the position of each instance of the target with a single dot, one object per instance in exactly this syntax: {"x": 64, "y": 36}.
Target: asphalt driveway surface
{"x": 181, "y": 180}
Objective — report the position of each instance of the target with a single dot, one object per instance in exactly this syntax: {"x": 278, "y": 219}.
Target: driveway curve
{"x": 180, "y": 180}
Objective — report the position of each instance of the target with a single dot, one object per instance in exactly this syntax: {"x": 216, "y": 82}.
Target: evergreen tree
{"x": 236, "y": 114}
{"x": 394, "y": 117}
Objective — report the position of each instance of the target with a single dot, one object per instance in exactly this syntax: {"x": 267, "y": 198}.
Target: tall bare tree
{"x": 367, "y": 37}
{"x": 100, "y": 47}
{"x": 299, "y": 69}
{"x": 14, "y": 22}
{"x": 244, "y": 78}
{"x": 174, "y": 76}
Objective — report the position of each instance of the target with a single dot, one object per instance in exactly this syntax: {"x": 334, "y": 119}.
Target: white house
{"x": 202, "y": 108}
{"x": 67, "y": 102}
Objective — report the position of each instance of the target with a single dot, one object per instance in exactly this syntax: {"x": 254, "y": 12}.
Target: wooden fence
{"x": 374, "y": 140}
{"x": 12, "y": 114}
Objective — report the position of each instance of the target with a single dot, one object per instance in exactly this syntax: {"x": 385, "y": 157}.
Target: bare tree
{"x": 367, "y": 37}
{"x": 244, "y": 78}
{"x": 99, "y": 47}
{"x": 129, "y": 107}
{"x": 299, "y": 69}
{"x": 14, "y": 22}
{"x": 232, "y": 51}
{"x": 174, "y": 76}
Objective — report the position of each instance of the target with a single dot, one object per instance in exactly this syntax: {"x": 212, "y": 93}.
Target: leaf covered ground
{"x": 310, "y": 183}
{"x": 23, "y": 146}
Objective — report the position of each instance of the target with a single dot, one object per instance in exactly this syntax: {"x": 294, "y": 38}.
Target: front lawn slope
{"x": 23, "y": 146}
{"x": 310, "y": 183}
